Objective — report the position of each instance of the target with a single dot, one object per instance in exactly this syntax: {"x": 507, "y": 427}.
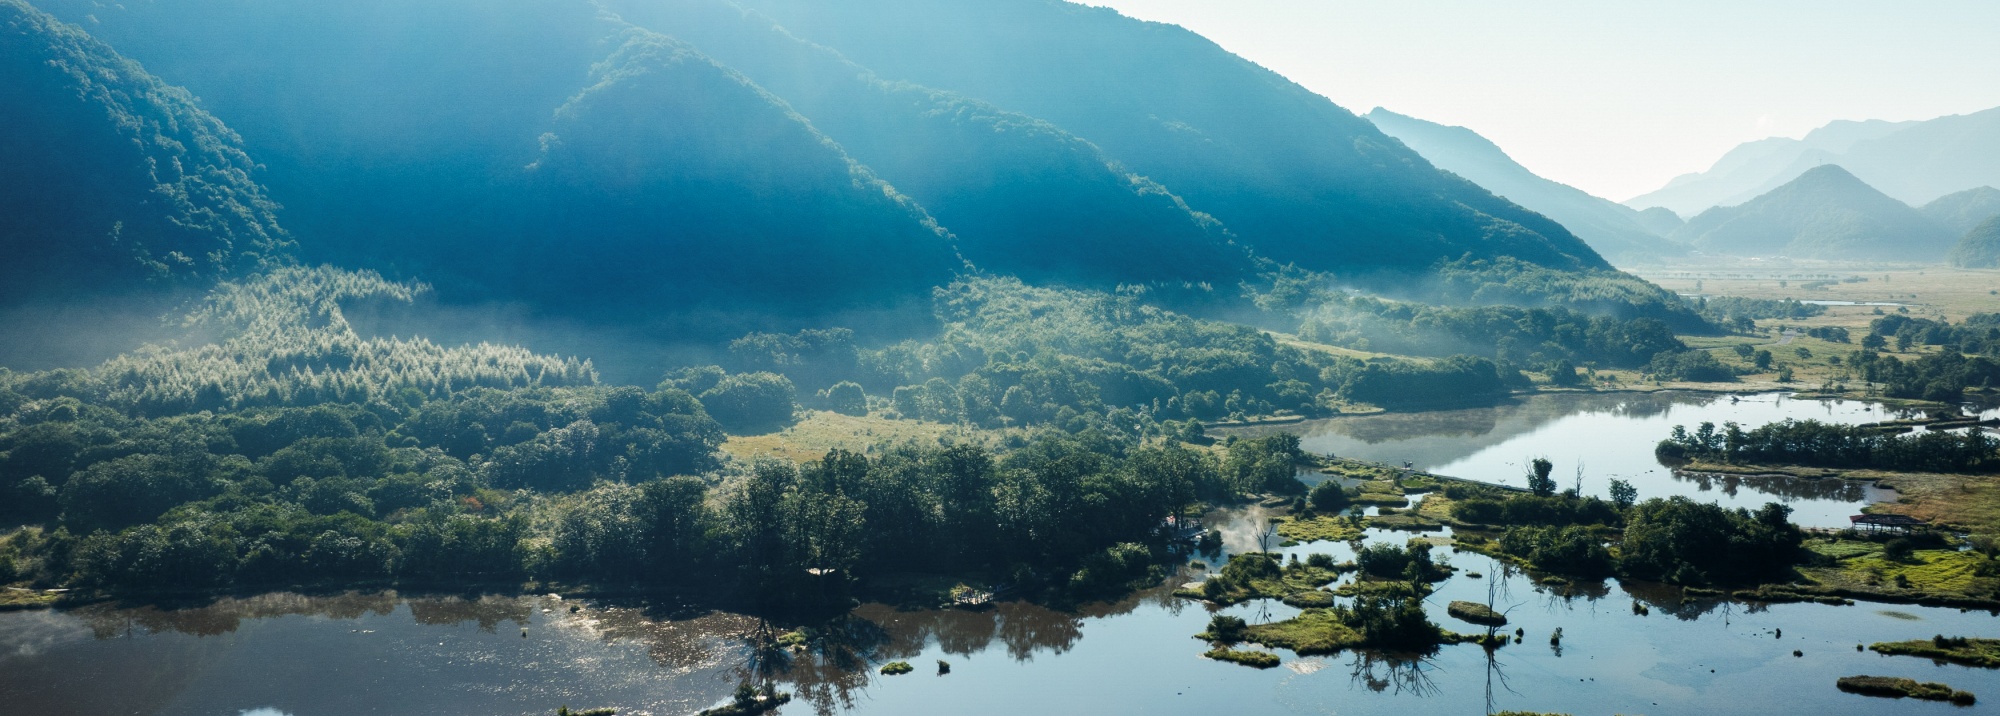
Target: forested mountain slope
{"x": 1826, "y": 213}
{"x": 1966, "y": 209}
{"x": 1613, "y": 229}
{"x": 1980, "y": 247}
{"x": 536, "y": 152}
{"x": 1291, "y": 174}
{"x": 110, "y": 179}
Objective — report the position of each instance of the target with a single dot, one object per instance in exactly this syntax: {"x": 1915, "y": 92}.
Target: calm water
{"x": 444, "y": 656}
{"x": 1608, "y": 435}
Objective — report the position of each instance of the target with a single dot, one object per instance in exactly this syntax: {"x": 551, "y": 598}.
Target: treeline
{"x": 1673, "y": 539}
{"x": 281, "y": 339}
{"x": 1524, "y": 336}
{"x": 587, "y": 484}
{"x": 1816, "y": 444}
{"x": 1942, "y": 377}
{"x": 1978, "y": 334}
{"x": 1011, "y": 354}
{"x": 1741, "y": 314}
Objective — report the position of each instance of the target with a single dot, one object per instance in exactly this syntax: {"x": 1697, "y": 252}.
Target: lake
{"x": 385, "y": 653}
{"x": 1606, "y": 435}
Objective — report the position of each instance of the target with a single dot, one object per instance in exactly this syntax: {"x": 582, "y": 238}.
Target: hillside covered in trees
{"x": 543, "y": 141}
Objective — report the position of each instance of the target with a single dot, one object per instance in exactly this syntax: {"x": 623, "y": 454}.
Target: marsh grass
{"x": 1984, "y": 653}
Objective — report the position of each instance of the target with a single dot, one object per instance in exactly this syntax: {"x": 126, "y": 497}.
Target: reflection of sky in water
{"x": 267, "y": 711}
{"x": 1608, "y": 435}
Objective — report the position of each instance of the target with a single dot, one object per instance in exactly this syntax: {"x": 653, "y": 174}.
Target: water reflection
{"x": 1606, "y": 436}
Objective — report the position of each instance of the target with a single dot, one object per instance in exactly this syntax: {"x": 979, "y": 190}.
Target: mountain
{"x": 1614, "y": 230}
{"x": 1915, "y": 162}
{"x": 538, "y": 153}
{"x": 1292, "y": 175}
{"x": 1023, "y": 196}
{"x": 1961, "y": 211}
{"x": 693, "y": 166}
{"x": 1660, "y": 220}
{"x": 1980, "y": 248}
{"x": 112, "y": 180}
{"x": 1826, "y": 213}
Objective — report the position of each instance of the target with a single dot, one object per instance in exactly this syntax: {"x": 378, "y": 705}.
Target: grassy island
{"x": 1896, "y": 687}
{"x": 1983, "y": 653}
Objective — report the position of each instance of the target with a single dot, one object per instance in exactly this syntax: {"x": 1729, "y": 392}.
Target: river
{"x": 384, "y": 653}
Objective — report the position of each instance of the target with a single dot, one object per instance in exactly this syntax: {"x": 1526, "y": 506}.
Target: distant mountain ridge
{"x": 1914, "y": 161}
{"x": 1826, "y": 213}
{"x": 1616, "y": 231}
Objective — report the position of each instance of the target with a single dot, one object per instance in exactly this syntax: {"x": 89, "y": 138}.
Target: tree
{"x": 751, "y": 403}
{"x": 1762, "y": 359}
{"x": 1623, "y": 494}
{"x": 1539, "y": 481}
{"x": 676, "y": 521}
{"x": 846, "y": 398}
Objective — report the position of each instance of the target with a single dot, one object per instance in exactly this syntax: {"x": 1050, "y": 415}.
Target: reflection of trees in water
{"x": 838, "y": 662}
{"x": 1670, "y": 599}
{"x": 1786, "y": 486}
{"x": 487, "y": 611}
{"x": 1497, "y": 423}
{"x": 222, "y": 616}
{"x": 1400, "y": 674}
{"x": 679, "y": 641}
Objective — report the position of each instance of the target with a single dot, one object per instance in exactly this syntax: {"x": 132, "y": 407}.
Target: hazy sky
{"x": 1614, "y": 96}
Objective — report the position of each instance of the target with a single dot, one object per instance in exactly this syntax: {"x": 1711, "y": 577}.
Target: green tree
{"x": 1539, "y": 480}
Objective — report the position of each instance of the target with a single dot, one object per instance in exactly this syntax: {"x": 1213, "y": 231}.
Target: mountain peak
{"x": 1824, "y": 213}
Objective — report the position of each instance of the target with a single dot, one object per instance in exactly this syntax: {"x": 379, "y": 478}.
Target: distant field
{"x": 1928, "y": 291}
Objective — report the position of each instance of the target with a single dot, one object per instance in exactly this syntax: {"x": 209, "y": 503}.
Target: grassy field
{"x": 1927, "y": 291}
{"x": 818, "y": 432}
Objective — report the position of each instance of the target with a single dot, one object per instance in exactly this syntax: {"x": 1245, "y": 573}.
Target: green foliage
{"x": 1687, "y": 542}
{"x": 285, "y": 341}
{"x": 1983, "y": 653}
{"x": 1817, "y": 444}
{"x": 1691, "y": 366}
{"x": 751, "y": 402}
{"x": 1532, "y": 336}
{"x": 1897, "y": 687}
{"x": 1252, "y": 658}
{"x": 1574, "y": 549}
{"x": 114, "y": 177}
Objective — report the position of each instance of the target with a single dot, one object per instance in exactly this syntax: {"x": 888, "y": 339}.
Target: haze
{"x": 1617, "y": 98}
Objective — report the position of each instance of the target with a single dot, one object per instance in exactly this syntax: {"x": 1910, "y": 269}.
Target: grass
{"x": 1969, "y": 502}
{"x": 1246, "y": 657}
{"x": 819, "y": 431}
{"x": 1983, "y": 653}
{"x": 1929, "y": 570}
{"x": 895, "y": 668}
{"x": 1895, "y": 687}
{"x": 1313, "y": 631}
{"x": 1476, "y": 613}
{"x": 1314, "y": 599}
{"x": 1318, "y": 529}
{"x": 1406, "y": 521}
{"x": 1296, "y": 578}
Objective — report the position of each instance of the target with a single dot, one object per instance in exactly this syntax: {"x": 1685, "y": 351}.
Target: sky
{"x": 1617, "y": 96}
